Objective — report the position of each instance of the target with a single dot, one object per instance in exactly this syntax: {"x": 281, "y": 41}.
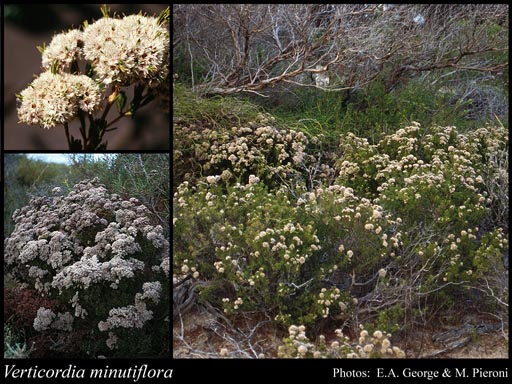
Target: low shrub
{"x": 277, "y": 155}
{"x": 406, "y": 228}
{"x": 99, "y": 257}
{"x": 377, "y": 346}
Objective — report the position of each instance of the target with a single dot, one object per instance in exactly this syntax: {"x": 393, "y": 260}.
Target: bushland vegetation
{"x": 373, "y": 204}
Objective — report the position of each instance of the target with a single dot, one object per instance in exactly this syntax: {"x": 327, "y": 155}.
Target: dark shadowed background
{"x": 28, "y": 26}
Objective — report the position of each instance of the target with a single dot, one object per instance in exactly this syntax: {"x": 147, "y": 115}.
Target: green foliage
{"x": 373, "y": 112}
{"x": 248, "y": 241}
{"x": 216, "y": 111}
{"x": 25, "y": 178}
{"x": 14, "y": 347}
{"x": 408, "y": 215}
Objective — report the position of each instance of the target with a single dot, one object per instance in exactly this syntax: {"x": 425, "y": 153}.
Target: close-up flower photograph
{"x": 86, "y": 77}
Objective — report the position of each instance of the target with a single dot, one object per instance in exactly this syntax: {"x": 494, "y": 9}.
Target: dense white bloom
{"x": 150, "y": 291}
{"x": 165, "y": 265}
{"x": 74, "y": 245}
{"x": 43, "y": 319}
{"x": 126, "y": 317}
{"x": 64, "y": 322}
{"x": 302, "y": 349}
{"x": 63, "y": 49}
{"x": 53, "y": 99}
{"x": 127, "y": 50}
{"x": 253, "y": 179}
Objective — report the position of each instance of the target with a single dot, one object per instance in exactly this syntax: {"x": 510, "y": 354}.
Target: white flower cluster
{"x": 124, "y": 51}
{"x": 64, "y": 49}
{"x": 131, "y": 316}
{"x": 297, "y": 345}
{"x": 259, "y": 147}
{"x": 87, "y": 271}
{"x": 47, "y": 319}
{"x": 127, "y": 50}
{"x": 53, "y": 99}
{"x": 89, "y": 241}
{"x": 150, "y": 291}
{"x": 43, "y": 319}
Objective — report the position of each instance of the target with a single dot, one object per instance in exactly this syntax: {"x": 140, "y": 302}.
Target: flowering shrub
{"x": 120, "y": 52}
{"x": 103, "y": 260}
{"x": 298, "y": 346}
{"x": 408, "y": 226}
{"x": 251, "y": 145}
{"x": 435, "y": 181}
{"x": 260, "y": 264}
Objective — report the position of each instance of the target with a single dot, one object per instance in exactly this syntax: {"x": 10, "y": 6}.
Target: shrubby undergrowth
{"x": 104, "y": 265}
{"x": 386, "y": 233}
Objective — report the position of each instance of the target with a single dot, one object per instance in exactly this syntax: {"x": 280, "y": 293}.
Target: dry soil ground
{"x": 203, "y": 337}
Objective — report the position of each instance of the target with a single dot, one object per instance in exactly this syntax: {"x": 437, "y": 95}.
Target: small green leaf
{"x": 19, "y": 97}
{"x": 120, "y": 101}
{"x": 164, "y": 17}
{"x": 55, "y": 67}
{"x": 41, "y": 49}
{"x": 86, "y": 24}
{"x": 105, "y": 11}
{"x": 137, "y": 98}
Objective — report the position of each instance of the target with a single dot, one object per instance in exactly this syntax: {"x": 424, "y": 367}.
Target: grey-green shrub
{"x": 404, "y": 230}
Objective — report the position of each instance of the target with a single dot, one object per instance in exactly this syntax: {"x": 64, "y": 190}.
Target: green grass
{"x": 213, "y": 111}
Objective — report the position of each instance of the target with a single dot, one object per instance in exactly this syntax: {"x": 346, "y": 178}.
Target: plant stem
{"x": 110, "y": 101}
{"x": 83, "y": 127}
{"x": 84, "y": 136}
{"x": 66, "y": 128}
{"x": 116, "y": 119}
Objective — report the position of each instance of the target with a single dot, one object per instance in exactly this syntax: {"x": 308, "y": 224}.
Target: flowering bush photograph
{"x": 97, "y": 78}
{"x": 340, "y": 181}
{"x": 86, "y": 257}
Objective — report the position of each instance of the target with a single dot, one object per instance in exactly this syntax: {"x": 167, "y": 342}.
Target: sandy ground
{"x": 204, "y": 338}
{"x": 28, "y": 26}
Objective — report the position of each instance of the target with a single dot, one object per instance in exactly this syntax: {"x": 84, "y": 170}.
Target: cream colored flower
{"x": 53, "y": 99}
{"x": 302, "y": 349}
{"x": 127, "y": 50}
{"x": 64, "y": 49}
